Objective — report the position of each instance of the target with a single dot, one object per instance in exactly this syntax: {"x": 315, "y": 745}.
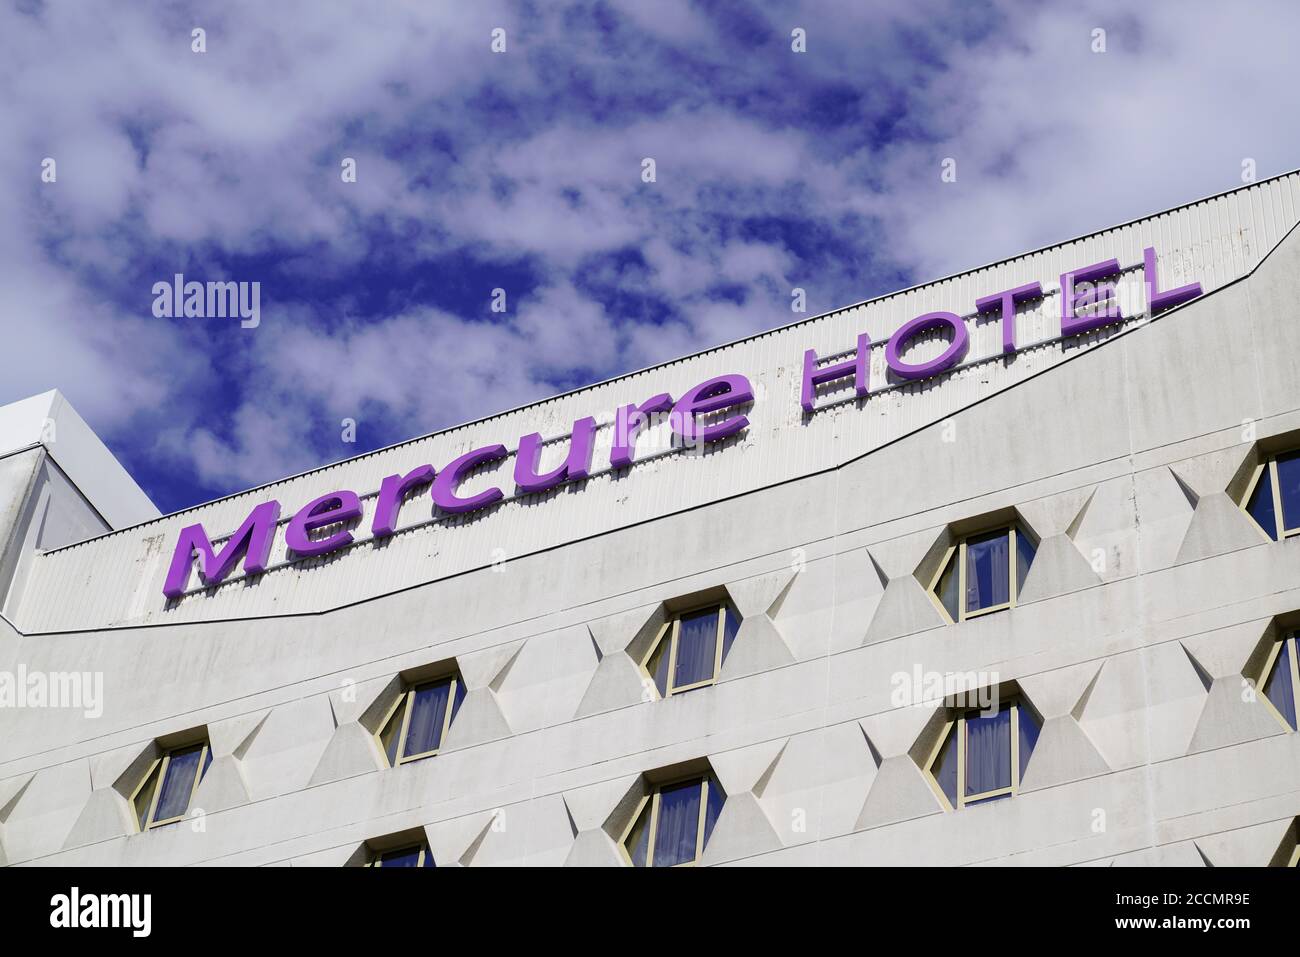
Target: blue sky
{"x": 522, "y": 171}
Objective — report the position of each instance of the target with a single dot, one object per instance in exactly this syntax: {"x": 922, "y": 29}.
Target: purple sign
{"x": 709, "y": 412}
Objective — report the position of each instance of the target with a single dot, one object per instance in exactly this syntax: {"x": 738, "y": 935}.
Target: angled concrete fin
{"x": 481, "y": 669}
{"x": 743, "y": 830}
{"x": 759, "y": 646}
{"x": 590, "y": 806}
{"x": 1188, "y": 492}
{"x": 467, "y": 858}
{"x": 1227, "y": 719}
{"x": 12, "y": 791}
{"x": 223, "y": 786}
{"x": 106, "y": 815}
{"x": 479, "y": 719}
{"x": 1217, "y": 527}
{"x": 757, "y": 596}
{"x": 615, "y": 632}
{"x": 1225, "y": 651}
{"x": 616, "y": 683}
{"x": 351, "y": 751}
{"x": 1057, "y": 692}
{"x": 904, "y": 609}
{"x": 227, "y": 736}
{"x": 1202, "y": 675}
{"x": 497, "y": 682}
{"x": 1072, "y": 530}
{"x": 594, "y": 848}
{"x": 741, "y": 769}
{"x": 1254, "y": 846}
{"x": 899, "y": 792}
{"x": 241, "y": 750}
{"x": 1058, "y": 567}
{"x": 1064, "y": 753}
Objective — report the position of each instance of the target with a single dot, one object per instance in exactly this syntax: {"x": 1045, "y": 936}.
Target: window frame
{"x": 1279, "y": 518}
{"x": 1015, "y": 704}
{"x": 671, "y": 631}
{"x": 160, "y": 765}
{"x": 652, "y": 824}
{"x": 405, "y": 700}
{"x": 1274, "y": 653}
{"x": 959, "y": 548}
{"x": 425, "y": 854}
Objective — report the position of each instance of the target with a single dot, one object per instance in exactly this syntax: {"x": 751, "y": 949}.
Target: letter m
{"x": 252, "y": 542}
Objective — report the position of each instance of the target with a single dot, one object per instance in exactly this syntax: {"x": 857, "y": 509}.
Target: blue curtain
{"x": 1260, "y": 505}
{"x": 176, "y": 786}
{"x": 679, "y": 823}
{"x": 729, "y": 628}
{"x": 460, "y": 696}
{"x": 717, "y": 797}
{"x": 988, "y": 751}
{"x": 1278, "y": 687}
{"x": 1025, "y": 552}
{"x": 945, "y": 767}
{"x": 948, "y": 590}
{"x": 697, "y": 643}
{"x": 1288, "y": 486}
{"x": 638, "y": 839}
{"x": 658, "y": 666}
{"x": 1028, "y": 737}
{"x": 987, "y": 571}
{"x": 428, "y": 709}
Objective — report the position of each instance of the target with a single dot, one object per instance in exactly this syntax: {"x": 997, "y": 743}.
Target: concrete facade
{"x": 1124, "y": 451}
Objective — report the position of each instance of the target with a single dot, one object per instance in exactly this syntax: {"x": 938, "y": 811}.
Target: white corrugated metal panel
{"x": 117, "y": 579}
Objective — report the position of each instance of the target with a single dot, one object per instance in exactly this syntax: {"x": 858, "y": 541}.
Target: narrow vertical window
{"x": 689, "y": 650}
{"x": 164, "y": 794}
{"x": 417, "y": 723}
{"x": 1282, "y": 679}
{"x": 1272, "y": 498}
{"x": 983, "y": 573}
{"x": 982, "y": 755}
{"x": 674, "y": 822}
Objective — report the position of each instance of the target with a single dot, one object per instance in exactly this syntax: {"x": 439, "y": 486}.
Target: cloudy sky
{"x": 522, "y": 170}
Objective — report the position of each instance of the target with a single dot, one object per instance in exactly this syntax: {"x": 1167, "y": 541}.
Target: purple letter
{"x": 327, "y": 510}
{"x": 252, "y": 541}
{"x": 392, "y": 492}
{"x": 629, "y": 421}
{"x": 931, "y": 320}
{"x": 1007, "y": 301}
{"x": 1164, "y": 300}
{"x": 712, "y": 396}
{"x": 1071, "y": 323}
{"x": 444, "y": 486}
{"x": 859, "y": 367}
{"x": 575, "y": 467}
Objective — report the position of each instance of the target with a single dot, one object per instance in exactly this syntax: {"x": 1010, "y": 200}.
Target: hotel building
{"x": 1000, "y": 569}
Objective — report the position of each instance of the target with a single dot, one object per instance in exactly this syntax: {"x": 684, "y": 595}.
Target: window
{"x": 413, "y": 855}
{"x": 416, "y": 725}
{"x": 1273, "y": 496}
{"x": 689, "y": 650}
{"x": 982, "y": 755}
{"x": 983, "y": 573}
{"x": 168, "y": 786}
{"x": 674, "y": 822}
{"x": 1282, "y": 679}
